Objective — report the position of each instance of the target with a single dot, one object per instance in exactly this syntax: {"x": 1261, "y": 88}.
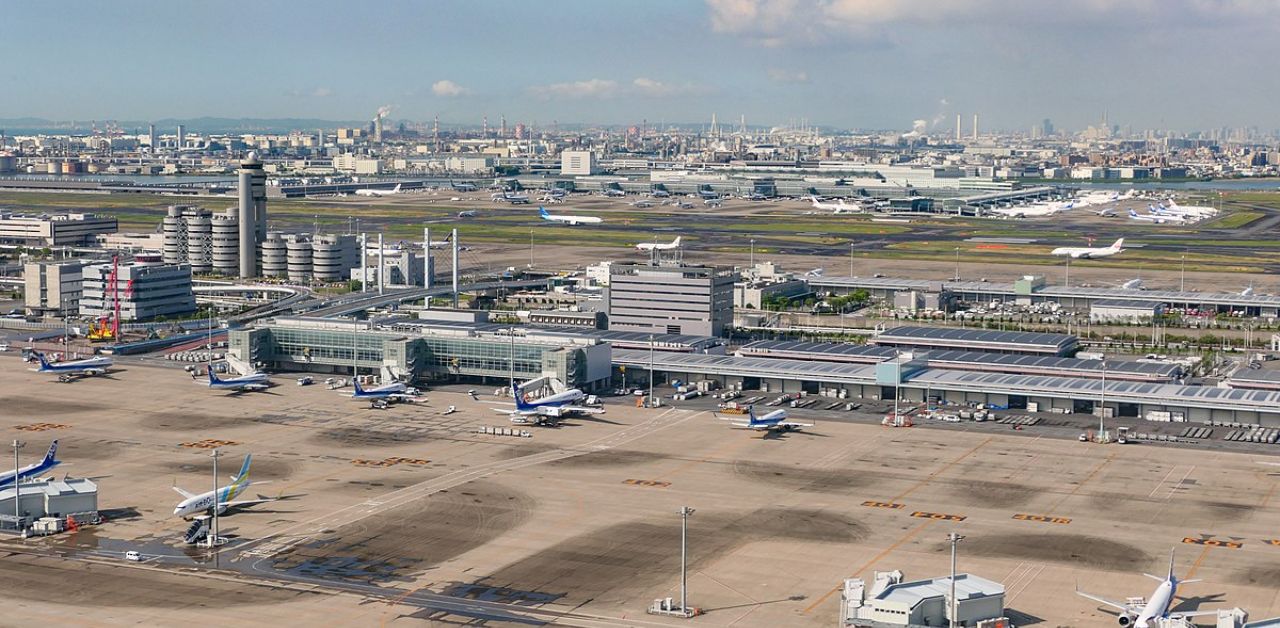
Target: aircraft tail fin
{"x": 397, "y": 188}
{"x": 542, "y": 211}
{"x": 44, "y": 363}
{"x": 243, "y": 475}
{"x": 1118, "y": 245}
{"x": 677, "y": 242}
{"x": 355, "y": 381}
{"x": 521, "y": 404}
{"x": 751, "y": 414}
{"x": 213, "y": 377}
{"x": 51, "y": 456}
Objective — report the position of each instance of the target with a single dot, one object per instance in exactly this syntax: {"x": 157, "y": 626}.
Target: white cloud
{"x": 785, "y": 76}
{"x": 448, "y": 89}
{"x": 591, "y": 88}
{"x": 319, "y": 92}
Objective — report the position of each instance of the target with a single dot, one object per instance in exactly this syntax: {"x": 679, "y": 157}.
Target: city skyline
{"x": 842, "y": 64}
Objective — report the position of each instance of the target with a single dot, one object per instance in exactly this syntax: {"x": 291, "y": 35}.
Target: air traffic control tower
{"x": 253, "y": 213}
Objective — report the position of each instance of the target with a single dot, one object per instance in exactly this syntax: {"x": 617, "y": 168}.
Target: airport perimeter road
{"x": 265, "y": 548}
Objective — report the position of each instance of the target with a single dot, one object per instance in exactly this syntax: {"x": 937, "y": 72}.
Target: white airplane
{"x": 548, "y": 409}
{"x": 87, "y": 367}
{"x": 193, "y": 504}
{"x": 660, "y": 193}
{"x": 49, "y": 461}
{"x": 838, "y": 207}
{"x": 373, "y": 192}
{"x": 642, "y": 203}
{"x": 614, "y": 192}
{"x": 654, "y": 246}
{"x": 393, "y": 391}
{"x": 1202, "y": 212}
{"x": 1081, "y": 252}
{"x": 815, "y": 273}
{"x": 572, "y": 221}
{"x": 514, "y": 199}
{"x": 775, "y": 421}
{"x": 467, "y": 214}
{"x": 713, "y": 202}
{"x": 462, "y": 187}
{"x": 1159, "y": 220}
{"x": 245, "y": 383}
{"x": 1148, "y": 614}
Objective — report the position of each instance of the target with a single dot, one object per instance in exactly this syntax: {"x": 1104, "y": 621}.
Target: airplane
{"x": 756, "y": 196}
{"x": 548, "y": 409}
{"x": 514, "y": 199}
{"x": 394, "y": 391}
{"x": 614, "y": 192}
{"x": 1247, "y": 292}
{"x": 245, "y": 383}
{"x": 87, "y": 367}
{"x": 654, "y": 246}
{"x": 49, "y": 461}
{"x": 1159, "y": 220}
{"x": 684, "y": 205}
{"x": 462, "y": 187}
{"x": 573, "y": 221}
{"x": 707, "y": 192}
{"x": 815, "y": 273}
{"x": 1080, "y": 252}
{"x": 1155, "y": 608}
{"x": 642, "y": 204}
{"x": 660, "y": 193}
{"x": 774, "y": 421}
{"x": 713, "y": 202}
{"x": 1106, "y": 213}
{"x": 193, "y": 504}
{"x": 467, "y": 214}
{"x": 373, "y": 192}
{"x": 838, "y": 207}
{"x": 547, "y": 198}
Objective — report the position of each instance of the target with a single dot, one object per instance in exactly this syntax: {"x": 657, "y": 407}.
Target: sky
{"x": 867, "y": 64}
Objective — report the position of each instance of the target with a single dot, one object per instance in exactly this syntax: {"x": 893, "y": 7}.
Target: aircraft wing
{"x": 1102, "y": 600}
{"x": 183, "y": 493}
{"x": 582, "y": 409}
{"x": 1269, "y": 464}
{"x": 250, "y": 502}
{"x": 793, "y": 424}
{"x": 1181, "y": 614}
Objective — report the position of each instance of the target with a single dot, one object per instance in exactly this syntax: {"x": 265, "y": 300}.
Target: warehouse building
{"x": 48, "y": 498}
{"x": 923, "y": 602}
{"x": 54, "y": 230}
{"x": 1126, "y": 311}
{"x": 1030, "y": 343}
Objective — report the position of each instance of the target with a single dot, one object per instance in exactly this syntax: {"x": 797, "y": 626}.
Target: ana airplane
{"x": 548, "y": 409}
{"x": 245, "y": 383}
{"x": 775, "y": 421}
{"x": 49, "y": 461}
{"x": 374, "y": 192}
{"x": 394, "y": 391}
{"x": 654, "y": 246}
{"x": 572, "y": 221}
{"x": 224, "y": 498}
{"x": 87, "y": 367}
{"x": 1081, "y": 252}
{"x": 514, "y": 199}
{"x": 1147, "y": 615}
{"x": 617, "y": 192}
{"x": 1159, "y": 220}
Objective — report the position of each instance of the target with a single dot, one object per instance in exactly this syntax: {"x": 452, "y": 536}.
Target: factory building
{"x": 53, "y": 288}
{"x": 146, "y": 288}
{"x": 670, "y": 299}
{"x": 56, "y": 230}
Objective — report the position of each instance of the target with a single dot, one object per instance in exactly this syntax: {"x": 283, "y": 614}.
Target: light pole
{"x": 1068, "y": 281}
{"x": 17, "y": 510}
{"x": 955, "y": 540}
{"x": 685, "y": 511}
{"x": 851, "y": 259}
{"x": 213, "y": 537}
{"x": 531, "y": 248}
{"x": 1183, "y": 285}
{"x": 651, "y": 370}
{"x": 957, "y": 264}
{"x": 1102, "y": 412}
{"x": 753, "y": 252}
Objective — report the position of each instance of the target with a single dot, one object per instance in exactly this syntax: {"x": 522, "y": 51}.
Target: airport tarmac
{"x": 405, "y": 516}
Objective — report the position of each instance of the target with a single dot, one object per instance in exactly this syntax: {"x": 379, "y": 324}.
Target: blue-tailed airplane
{"x": 251, "y": 382}
{"x": 194, "y": 504}
{"x": 548, "y": 409}
{"x": 36, "y": 468}
{"x": 87, "y": 367}
{"x": 1147, "y": 613}
{"x": 394, "y": 391}
{"x": 775, "y": 421}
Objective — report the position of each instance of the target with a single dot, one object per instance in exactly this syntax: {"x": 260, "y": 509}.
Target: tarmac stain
{"x": 615, "y": 563}
{"x": 1075, "y": 549}
{"x": 804, "y": 479}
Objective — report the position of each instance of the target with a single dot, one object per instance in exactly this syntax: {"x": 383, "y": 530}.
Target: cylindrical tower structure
{"x": 226, "y": 249}
{"x": 253, "y": 213}
{"x": 299, "y": 253}
{"x": 175, "y": 235}
{"x": 333, "y": 257}
{"x": 275, "y": 257}
{"x": 200, "y": 242}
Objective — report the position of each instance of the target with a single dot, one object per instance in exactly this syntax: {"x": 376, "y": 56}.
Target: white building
{"x": 55, "y": 230}
{"x": 145, "y": 286}
{"x": 921, "y": 603}
{"x": 357, "y": 164}
{"x": 578, "y": 162}
{"x": 53, "y": 287}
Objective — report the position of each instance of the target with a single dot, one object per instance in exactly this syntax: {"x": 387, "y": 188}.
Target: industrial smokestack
{"x": 382, "y": 265}
{"x": 975, "y": 127}
{"x": 958, "y": 136}
{"x": 364, "y": 263}
{"x": 453, "y": 240}
{"x": 426, "y": 259}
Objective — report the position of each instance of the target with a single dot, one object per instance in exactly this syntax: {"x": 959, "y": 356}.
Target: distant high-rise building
{"x": 151, "y": 137}
{"x": 1047, "y": 127}
{"x": 377, "y": 128}
{"x": 182, "y": 137}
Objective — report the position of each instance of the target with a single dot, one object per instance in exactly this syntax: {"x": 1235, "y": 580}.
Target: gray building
{"x": 253, "y": 213}
{"x": 670, "y": 299}
{"x": 147, "y": 288}
{"x": 53, "y": 287}
{"x": 53, "y": 498}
